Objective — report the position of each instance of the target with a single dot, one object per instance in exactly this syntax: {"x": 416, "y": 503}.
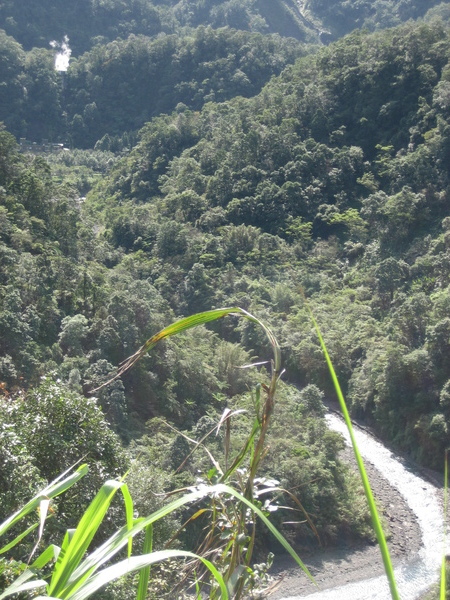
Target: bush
{"x": 43, "y": 433}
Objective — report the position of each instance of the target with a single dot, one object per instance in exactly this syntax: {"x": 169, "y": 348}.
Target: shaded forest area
{"x": 115, "y": 88}
{"x": 92, "y": 22}
{"x": 133, "y": 61}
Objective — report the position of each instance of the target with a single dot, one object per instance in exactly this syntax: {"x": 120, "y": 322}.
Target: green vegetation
{"x": 76, "y": 576}
{"x": 376, "y": 521}
{"x": 341, "y": 17}
{"x": 312, "y": 185}
{"x": 108, "y": 93}
{"x": 264, "y": 171}
{"x": 230, "y": 532}
{"x": 90, "y": 22}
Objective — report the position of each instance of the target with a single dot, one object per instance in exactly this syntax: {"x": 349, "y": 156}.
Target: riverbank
{"x": 338, "y": 566}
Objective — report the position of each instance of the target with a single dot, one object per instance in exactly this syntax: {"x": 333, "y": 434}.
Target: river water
{"x": 416, "y": 575}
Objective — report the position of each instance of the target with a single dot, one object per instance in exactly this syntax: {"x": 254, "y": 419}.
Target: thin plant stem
{"x": 362, "y": 471}
{"x": 443, "y": 586}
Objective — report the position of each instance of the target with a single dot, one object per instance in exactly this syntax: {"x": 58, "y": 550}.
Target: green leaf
{"x": 50, "y": 553}
{"x": 57, "y": 487}
{"x": 193, "y": 321}
{"x": 79, "y": 542}
{"x": 116, "y": 542}
{"x": 129, "y": 513}
{"x": 22, "y": 584}
{"x": 278, "y": 536}
{"x": 144, "y": 575}
{"x": 43, "y": 512}
{"x": 241, "y": 457}
{"x": 138, "y": 562}
{"x": 18, "y": 538}
{"x": 362, "y": 471}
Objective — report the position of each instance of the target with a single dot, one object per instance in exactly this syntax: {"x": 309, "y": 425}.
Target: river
{"x": 420, "y": 571}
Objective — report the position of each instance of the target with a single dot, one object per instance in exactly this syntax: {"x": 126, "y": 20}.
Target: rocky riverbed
{"x": 338, "y": 566}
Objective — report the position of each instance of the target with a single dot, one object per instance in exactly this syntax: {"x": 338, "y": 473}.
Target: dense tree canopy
{"x": 115, "y": 88}
{"x": 333, "y": 181}
{"x": 265, "y": 173}
{"x": 324, "y": 182}
{"x": 89, "y": 22}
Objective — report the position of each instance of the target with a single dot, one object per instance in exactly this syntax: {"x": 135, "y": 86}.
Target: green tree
{"x": 58, "y": 427}
{"x": 42, "y": 108}
{"x": 12, "y": 96}
{"x": 73, "y": 334}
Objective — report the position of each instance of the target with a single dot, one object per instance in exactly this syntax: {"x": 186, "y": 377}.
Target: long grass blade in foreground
{"x": 55, "y": 488}
{"x": 188, "y": 323}
{"x": 235, "y": 558}
{"x": 111, "y": 547}
{"x": 18, "y": 539}
{"x": 443, "y": 586}
{"x": 21, "y": 584}
{"x": 144, "y": 575}
{"x": 75, "y": 580}
{"x": 135, "y": 563}
{"x": 389, "y": 569}
{"x": 62, "y": 582}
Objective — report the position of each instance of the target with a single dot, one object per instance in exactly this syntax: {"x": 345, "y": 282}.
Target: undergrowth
{"x": 228, "y": 501}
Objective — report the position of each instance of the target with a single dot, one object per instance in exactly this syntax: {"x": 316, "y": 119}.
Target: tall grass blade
{"x": 362, "y": 471}
{"x": 188, "y": 323}
{"x": 112, "y": 546}
{"x": 49, "y": 554}
{"x": 22, "y": 584}
{"x": 20, "y": 537}
{"x": 242, "y": 455}
{"x": 253, "y": 450}
{"x": 138, "y": 562}
{"x": 197, "y": 588}
{"x": 144, "y": 575}
{"x": 115, "y": 543}
{"x": 129, "y": 513}
{"x": 66, "y": 541}
{"x": 43, "y": 512}
{"x": 57, "y": 487}
{"x": 278, "y": 536}
{"x": 443, "y": 584}
{"x": 82, "y": 537}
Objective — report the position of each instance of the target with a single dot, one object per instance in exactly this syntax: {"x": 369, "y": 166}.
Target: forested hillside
{"x": 115, "y": 88}
{"x": 265, "y": 173}
{"x": 333, "y": 183}
{"x": 90, "y": 22}
{"x": 121, "y": 73}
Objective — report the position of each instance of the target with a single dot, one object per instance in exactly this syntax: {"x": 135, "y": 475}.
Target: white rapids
{"x": 417, "y": 574}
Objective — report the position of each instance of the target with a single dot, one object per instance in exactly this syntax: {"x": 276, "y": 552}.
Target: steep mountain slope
{"x": 331, "y": 183}
{"x": 117, "y": 87}
{"x": 89, "y": 22}
{"x": 333, "y": 180}
{"x": 341, "y": 17}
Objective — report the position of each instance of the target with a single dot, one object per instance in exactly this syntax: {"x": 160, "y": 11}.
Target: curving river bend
{"x": 416, "y": 575}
